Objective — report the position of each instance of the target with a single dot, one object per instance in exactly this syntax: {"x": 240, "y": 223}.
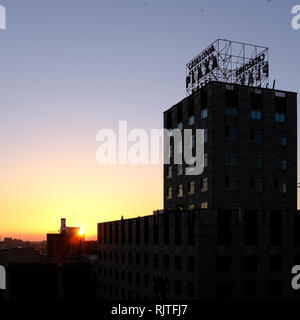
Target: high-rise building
{"x": 250, "y": 150}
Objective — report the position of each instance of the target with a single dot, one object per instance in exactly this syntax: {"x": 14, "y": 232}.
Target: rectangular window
{"x": 191, "y": 207}
{"x": 205, "y": 135}
{"x": 256, "y": 185}
{"x": 231, "y": 159}
{"x": 179, "y": 170}
{"x": 257, "y": 161}
{"x": 204, "y": 185}
{"x": 204, "y": 205}
{"x": 231, "y": 134}
{"x": 203, "y": 113}
{"x": 231, "y": 183}
{"x": 280, "y": 108}
{"x": 180, "y": 126}
{"x": 231, "y": 111}
{"x": 169, "y": 172}
{"x": 170, "y": 193}
{"x": 224, "y": 227}
{"x": 281, "y": 138}
{"x": 281, "y": 163}
{"x": 177, "y": 262}
{"x": 256, "y": 114}
{"x": 251, "y": 225}
{"x": 191, "y": 120}
{"x": 279, "y": 117}
{"x": 205, "y": 160}
{"x": 256, "y": 136}
{"x": 191, "y": 187}
{"x": 224, "y": 263}
{"x": 180, "y": 191}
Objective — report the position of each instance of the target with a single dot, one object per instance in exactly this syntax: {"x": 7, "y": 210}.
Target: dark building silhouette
{"x": 199, "y": 254}
{"x": 229, "y": 233}
{"x": 68, "y": 242}
{"x": 67, "y": 272}
{"x": 250, "y": 149}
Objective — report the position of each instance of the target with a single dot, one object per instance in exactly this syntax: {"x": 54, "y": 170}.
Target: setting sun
{"x": 81, "y": 232}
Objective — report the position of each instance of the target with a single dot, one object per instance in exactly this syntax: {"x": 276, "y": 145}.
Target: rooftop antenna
{"x": 274, "y": 82}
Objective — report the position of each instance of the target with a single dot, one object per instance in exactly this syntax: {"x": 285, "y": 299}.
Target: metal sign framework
{"x": 231, "y": 62}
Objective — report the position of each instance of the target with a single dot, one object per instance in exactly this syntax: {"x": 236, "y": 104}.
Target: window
{"x": 231, "y": 183}
{"x": 256, "y": 136}
{"x": 205, "y": 135}
{"x": 191, "y": 264}
{"x": 191, "y": 207}
{"x": 146, "y": 259}
{"x": 280, "y": 186}
{"x": 146, "y": 280}
{"x": 177, "y": 287}
{"x": 279, "y": 117}
{"x": 180, "y": 126}
{"x": 275, "y": 262}
{"x": 231, "y": 111}
{"x": 232, "y": 101}
{"x": 191, "y": 187}
{"x": 180, "y": 191}
{"x": 256, "y": 114}
{"x": 231, "y": 159}
{"x": 256, "y": 105}
{"x": 250, "y": 263}
{"x": 224, "y": 263}
{"x": 155, "y": 260}
{"x": 281, "y": 138}
{"x": 280, "y": 108}
{"x": 191, "y": 120}
{"x": 169, "y": 196}
{"x": 177, "y": 262}
{"x": 203, "y": 113}
{"x": 281, "y": 163}
{"x": 205, "y": 160}
{"x": 204, "y": 185}
{"x": 231, "y": 205}
{"x": 256, "y": 185}
{"x": 179, "y": 170}
{"x": 204, "y": 205}
{"x": 169, "y": 172}
{"x": 166, "y": 261}
{"x": 231, "y": 134}
{"x": 257, "y": 161}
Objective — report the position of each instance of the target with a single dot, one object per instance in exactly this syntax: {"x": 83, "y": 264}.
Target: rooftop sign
{"x": 231, "y": 62}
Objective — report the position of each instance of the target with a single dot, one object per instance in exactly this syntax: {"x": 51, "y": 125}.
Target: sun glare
{"x": 81, "y": 232}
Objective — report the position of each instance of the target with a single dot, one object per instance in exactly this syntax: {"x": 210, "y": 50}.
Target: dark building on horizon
{"x": 199, "y": 254}
{"x": 250, "y": 158}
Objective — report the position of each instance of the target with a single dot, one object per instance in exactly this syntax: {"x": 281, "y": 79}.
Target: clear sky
{"x": 69, "y": 68}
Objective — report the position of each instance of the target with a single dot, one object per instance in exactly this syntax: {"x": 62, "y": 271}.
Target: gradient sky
{"x": 69, "y": 68}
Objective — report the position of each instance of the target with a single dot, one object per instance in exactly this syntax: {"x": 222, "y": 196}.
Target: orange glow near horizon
{"x": 38, "y": 191}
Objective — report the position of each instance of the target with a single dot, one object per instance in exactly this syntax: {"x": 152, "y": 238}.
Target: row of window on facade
{"x": 223, "y": 290}
{"x": 223, "y": 235}
{"x": 232, "y": 108}
{"x": 231, "y": 184}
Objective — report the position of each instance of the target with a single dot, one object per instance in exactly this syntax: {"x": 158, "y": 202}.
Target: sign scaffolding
{"x": 231, "y": 62}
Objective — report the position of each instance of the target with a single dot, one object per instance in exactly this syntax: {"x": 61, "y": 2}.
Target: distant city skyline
{"x": 70, "y": 69}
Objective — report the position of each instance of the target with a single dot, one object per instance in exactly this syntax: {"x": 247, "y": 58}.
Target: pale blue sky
{"x": 69, "y": 68}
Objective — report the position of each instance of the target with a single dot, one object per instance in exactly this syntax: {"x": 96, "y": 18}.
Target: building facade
{"x": 250, "y": 159}
{"x": 199, "y": 254}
